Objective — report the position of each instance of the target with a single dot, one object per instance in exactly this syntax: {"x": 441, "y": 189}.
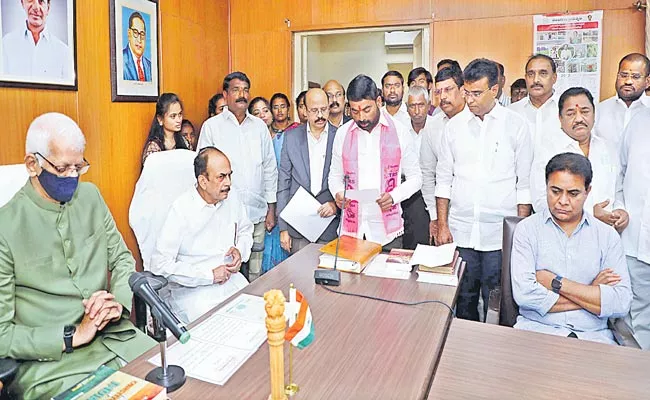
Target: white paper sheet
{"x": 222, "y": 343}
{"x": 363, "y": 196}
{"x": 302, "y": 214}
{"x": 434, "y": 256}
{"x": 381, "y": 269}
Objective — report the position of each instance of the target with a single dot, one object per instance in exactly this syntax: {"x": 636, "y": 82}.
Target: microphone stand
{"x": 333, "y": 277}
{"x": 171, "y": 377}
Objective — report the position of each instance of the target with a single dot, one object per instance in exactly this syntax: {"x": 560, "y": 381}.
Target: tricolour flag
{"x": 301, "y": 331}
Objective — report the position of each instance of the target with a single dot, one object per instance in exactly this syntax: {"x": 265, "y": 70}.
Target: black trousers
{"x": 416, "y": 221}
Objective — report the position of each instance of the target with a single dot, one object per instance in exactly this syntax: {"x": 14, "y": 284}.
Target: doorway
{"x": 342, "y": 54}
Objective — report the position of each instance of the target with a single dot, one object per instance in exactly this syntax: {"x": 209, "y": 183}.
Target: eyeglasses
{"x": 316, "y": 111}
{"x": 338, "y": 95}
{"x": 80, "y": 169}
{"x": 446, "y": 90}
{"x": 474, "y": 94}
{"x": 627, "y": 75}
{"x": 142, "y": 35}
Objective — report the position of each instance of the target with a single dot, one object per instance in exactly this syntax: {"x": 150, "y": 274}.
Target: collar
{"x": 551, "y": 100}
{"x": 199, "y": 203}
{"x": 636, "y": 103}
{"x": 586, "y": 219}
{"x": 382, "y": 121}
{"x": 325, "y": 130}
{"x": 45, "y": 33}
{"x": 229, "y": 114}
{"x": 497, "y": 112}
{"x": 37, "y": 199}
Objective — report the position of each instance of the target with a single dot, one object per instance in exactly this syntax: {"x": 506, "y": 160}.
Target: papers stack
{"x": 436, "y": 264}
{"x": 381, "y": 267}
{"x": 327, "y": 261}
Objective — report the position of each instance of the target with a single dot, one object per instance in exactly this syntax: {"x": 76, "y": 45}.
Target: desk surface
{"x": 364, "y": 349}
{"x": 482, "y": 361}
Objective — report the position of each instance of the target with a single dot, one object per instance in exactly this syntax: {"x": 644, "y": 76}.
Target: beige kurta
{"x": 51, "y": 258}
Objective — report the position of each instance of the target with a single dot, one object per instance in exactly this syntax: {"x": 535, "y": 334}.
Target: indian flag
{"x": 301, "y": 329}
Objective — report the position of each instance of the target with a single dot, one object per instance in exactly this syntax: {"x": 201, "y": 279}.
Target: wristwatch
{"x": 556, "y": 284}
{"x": 68, "y": 333}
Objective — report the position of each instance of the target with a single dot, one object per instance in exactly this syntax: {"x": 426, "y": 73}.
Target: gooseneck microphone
{"x": 332, "y": 277}
{"x": 141, "y": 288}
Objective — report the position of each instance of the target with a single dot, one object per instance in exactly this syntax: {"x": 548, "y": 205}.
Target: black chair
{"x": 8, "y": 369}
{"x": 502, "y": 309}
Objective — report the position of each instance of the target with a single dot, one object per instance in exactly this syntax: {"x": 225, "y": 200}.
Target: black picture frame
{"x": 125, "y": 86}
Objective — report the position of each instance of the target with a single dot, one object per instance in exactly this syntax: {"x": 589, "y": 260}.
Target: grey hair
{"x": 418, "y": 91}
{"x": 51, "y": 127}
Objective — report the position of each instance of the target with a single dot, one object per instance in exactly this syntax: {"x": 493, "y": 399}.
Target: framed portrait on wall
{"x": 38, "y": 47}
{"x": 134, "y": 50}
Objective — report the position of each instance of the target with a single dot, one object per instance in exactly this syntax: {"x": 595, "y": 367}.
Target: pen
{"x": 235, "y": 239}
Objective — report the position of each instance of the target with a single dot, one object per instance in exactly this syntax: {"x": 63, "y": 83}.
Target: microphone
{"x": 141, "y": 288}
{"x": 332, "y": 277}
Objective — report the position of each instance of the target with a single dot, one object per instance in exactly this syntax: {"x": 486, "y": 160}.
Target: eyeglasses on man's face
{"x": 80, "y": 169}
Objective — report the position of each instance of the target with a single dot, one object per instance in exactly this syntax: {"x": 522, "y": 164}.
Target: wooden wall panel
{"x": 194, "y": 59}
{"x": 473, "y": 9}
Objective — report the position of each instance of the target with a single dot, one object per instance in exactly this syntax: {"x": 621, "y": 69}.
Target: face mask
{"x": 60, "y": 188}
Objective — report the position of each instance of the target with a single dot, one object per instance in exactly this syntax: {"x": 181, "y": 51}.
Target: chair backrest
{"x": 509, "y": 309}
{"x": 12, "y": 178}
{"x": 165, "y": 176}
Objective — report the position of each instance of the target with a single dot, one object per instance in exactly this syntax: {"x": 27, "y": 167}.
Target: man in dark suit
{"x": 305, "y": 161}
{"x": 137, "y": 67}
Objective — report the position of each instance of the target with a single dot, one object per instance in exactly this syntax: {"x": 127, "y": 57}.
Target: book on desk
{"x": 353, "y": 254}
{"x": 107, "y": 383}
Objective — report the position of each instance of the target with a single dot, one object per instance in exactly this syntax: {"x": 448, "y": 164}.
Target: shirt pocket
{"x": 94, "y": 251}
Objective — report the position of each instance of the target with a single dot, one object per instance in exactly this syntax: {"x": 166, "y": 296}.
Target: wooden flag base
{"x": 275, "y": 326}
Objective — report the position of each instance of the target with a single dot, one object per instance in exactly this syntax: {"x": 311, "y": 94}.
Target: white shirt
{"x": 484, "y": 169}
{"x": 317, "y": 153}
{"x": 371, "y": 224}
{"x": 645, "y": 99}
{"x": 49, "y": 58}
{"x": 250, "y": 151}
{"x": 612, "y": 116}
{"x": 544, "y": 122}
{"x": 504, "y": 100}
{"x": 604, "y": 165}
{"x": 634, "y": 187}
{"x": 193, "y": 241}
{"x": 402, "y": 115}
{"x": 429, "y": 154}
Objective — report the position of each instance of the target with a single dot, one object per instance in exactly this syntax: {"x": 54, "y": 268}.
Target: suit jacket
{"x": 294, "y": 172}
{"x": 51, "y": 258}
{"x": 130, "y": 71}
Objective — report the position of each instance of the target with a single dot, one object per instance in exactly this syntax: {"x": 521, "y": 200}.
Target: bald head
{"x": 318, "y": 109}
{"x": 213, "y": 173}
{"x": 335, "y": 96}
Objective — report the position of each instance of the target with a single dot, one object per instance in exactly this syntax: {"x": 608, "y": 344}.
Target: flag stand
{"x": 291, "y": 389}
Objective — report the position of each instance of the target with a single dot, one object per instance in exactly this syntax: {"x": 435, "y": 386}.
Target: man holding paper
{"x": 204, "y": 240}
{"x": 371, "y": 153}
{"x": 304, "y": 165}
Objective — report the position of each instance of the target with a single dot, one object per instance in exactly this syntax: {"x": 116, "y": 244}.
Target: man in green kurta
{"x": 58, "y": 242}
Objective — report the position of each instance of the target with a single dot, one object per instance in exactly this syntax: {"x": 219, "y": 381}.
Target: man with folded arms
{"x": 60, "y": 315}
{"x": 204, "y": 240}
{"x": 305, "y": 162}
{"x": 568, "y": 268}
{"x": 378, "y": 151}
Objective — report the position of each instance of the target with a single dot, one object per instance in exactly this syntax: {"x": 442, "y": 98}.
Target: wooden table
{"x": 482, "y": 361}
{"x": 364, "y": 349}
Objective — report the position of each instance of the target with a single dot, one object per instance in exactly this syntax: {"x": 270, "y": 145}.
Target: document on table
{"x": 381, "y": 269}
{"x": 221, "y": 344}
{"x": 433, "y": 256}
{"x": 302, "y": 214}
{"x": 363, "y": 196}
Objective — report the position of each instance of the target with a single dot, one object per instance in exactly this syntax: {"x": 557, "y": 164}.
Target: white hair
{"x": 419, "y": 91}
{"x": 53, "y": 127}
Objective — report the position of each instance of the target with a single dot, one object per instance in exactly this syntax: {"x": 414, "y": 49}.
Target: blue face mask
{"x": 60, "y": 188}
